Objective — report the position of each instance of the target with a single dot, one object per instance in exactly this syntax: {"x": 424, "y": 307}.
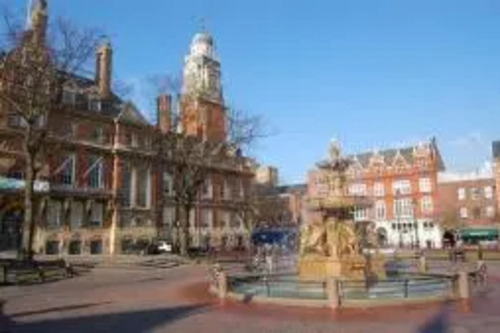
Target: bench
{"x": 25, "y": 272}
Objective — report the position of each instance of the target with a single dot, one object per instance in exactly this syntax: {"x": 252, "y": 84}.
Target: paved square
{"x": 135, "y": 299}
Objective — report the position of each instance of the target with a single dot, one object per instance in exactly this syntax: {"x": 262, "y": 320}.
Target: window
{"x": 380, "y": 212}
{"x": 95, "y": 172}
{"x": 227, "y": 190}
{"x": 401, "y": 187}
{"x": 461, "y": 194}
{"x": 96, "y": 246}
{"x": 403, "y": 207}
{"x": 490, "y": 211}
{"x": 222, "y": 188}
{"x": 360, "y": 214}
{"x": 206, "y": 218}
{"x": 378, "y": 189}
{"x": 167, "y": 184}
{"x": 426, "y": 205}
{"x": 76, "y": 214}
{"x": 464, "y": 213}
{"x": 168, "y": 216}
{"x": 98, "y": 135}
{"x": 207, "y": 189}
{"x": 75, "y": 247}
{"x": 54, "y": 214}
{"x": 474, "y": 192}
{"x": 226, "y": 219}
{"x": 14, "y": 120}
{"x": 126, "y": 187}
{"x": 52, "y": 247}
{"x": 488, "y": 192}
{"x": 68, "y": 171}
{"x": 135, "y": 140}
{"x": 357, "y": 189}
{"x": 96, "y": 214}
{"x": 69, "y": 97}
{"x": 143, "y": 187}
{"x": 94, "y": 104}
{"x": 425, "y": 185}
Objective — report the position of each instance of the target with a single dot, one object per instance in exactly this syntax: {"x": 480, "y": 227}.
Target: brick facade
{"x": 402, "y": 187}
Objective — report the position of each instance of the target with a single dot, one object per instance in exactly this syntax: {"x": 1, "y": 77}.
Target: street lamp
{"x": 417, "y": 240}
{"x": 398, "y": 219}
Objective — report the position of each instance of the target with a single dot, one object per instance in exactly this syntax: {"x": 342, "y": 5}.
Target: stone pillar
{"x": 422, "y": 264}
{"x": 463, "y": 285}
{"x": 332, "y": 291}
{"x": 222, "y": 285}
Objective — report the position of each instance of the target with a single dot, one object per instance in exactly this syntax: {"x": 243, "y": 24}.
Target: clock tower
{"x": 203, "y": 110}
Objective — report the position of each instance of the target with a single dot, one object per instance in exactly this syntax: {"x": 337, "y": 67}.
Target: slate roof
{"x": 390, "y": 154}
{"x": 496, "y": 149}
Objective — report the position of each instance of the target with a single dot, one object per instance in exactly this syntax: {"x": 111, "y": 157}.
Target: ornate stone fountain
{"x": 330, "y": 243}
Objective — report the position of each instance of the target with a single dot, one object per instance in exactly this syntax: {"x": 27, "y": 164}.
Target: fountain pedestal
{"x": 354, "y": 267}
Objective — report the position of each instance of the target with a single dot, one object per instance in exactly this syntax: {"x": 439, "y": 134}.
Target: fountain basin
{"x": 291, "y": 289}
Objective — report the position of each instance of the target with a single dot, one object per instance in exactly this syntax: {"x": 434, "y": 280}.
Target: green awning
{"x": 476, "y": 233}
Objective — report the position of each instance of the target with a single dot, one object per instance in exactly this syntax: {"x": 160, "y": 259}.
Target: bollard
{"x": 463, "y": 285}
{"x": 332, "y": 289}
{"x": 422, "y": 264}
{"x": 222, "y": 285}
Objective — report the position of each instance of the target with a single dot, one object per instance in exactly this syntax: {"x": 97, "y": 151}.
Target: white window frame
{"x": 380, "y": 210}
{"x": 96, "y": 214}
{"x": 488, "y": 192}
{"x": 403, "y": 207}
{"x": 379, "y": 189}
{"x": 425, "y": 185}
{"x": 490, "y": 211}
{"x": 401, "y": 187}
{"x": 464, "y": 213}
{"x": 427, "y": 205}
{"x": 461, "y": 193}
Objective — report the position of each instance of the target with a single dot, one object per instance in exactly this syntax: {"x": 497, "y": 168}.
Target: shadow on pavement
{"x": 440, "y": 323}
{"x": 57, "y": 309}
{"x": 133, "y": 322}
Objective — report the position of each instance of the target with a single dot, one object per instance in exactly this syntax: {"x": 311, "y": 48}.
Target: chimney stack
{"x": 104, "y": 64}
{"x": 164, "y": 113}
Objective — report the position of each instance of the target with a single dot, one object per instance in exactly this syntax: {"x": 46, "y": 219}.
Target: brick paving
{"x": 175, "y": 300}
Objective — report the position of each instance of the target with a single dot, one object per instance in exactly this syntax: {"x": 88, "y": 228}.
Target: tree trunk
{"x": 26, "y": 250}
{"x": 184, "y": 232}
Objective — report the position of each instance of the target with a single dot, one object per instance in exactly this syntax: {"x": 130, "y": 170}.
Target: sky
{"x": 372, "y": 73}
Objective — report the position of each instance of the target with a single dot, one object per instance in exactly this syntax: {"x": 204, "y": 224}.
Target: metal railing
{"x": 398, "y": 288}
{"x": 277, "y": 286}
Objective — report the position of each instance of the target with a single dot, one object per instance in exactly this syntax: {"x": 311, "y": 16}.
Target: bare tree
{"x": 192, "y": 160}
{"x": 34, "y": 68}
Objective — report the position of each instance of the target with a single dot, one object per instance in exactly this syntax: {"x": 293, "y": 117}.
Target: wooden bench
{"x": 19, "y": 272}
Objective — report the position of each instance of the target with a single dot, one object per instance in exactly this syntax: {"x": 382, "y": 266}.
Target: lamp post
{"x": 398, "y": 219}
{"x": 417, "y": 240}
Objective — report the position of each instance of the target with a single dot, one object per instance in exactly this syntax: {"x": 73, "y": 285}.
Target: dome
{"x": 203, "y": 38}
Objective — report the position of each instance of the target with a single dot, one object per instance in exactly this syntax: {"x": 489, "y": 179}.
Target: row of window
{"x": 206, "y": 218}
{"x": 402, "y": 208}
{"x": 399, "y": 187}
{"x": 475, "y": 193}
{"x": 410, "y": 226}
{"x": 477, "y": 212}
{"x": 77, "y": 212}
{"x": 53, "y": 247}
{"x": 65, "y": 173}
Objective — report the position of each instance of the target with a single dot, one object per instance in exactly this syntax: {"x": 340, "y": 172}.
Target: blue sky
{"x": 374, "y": 74}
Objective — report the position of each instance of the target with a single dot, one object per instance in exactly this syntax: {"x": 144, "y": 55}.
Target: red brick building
{"x": 106, "y": 187}
{"x": 402, "y": 185}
